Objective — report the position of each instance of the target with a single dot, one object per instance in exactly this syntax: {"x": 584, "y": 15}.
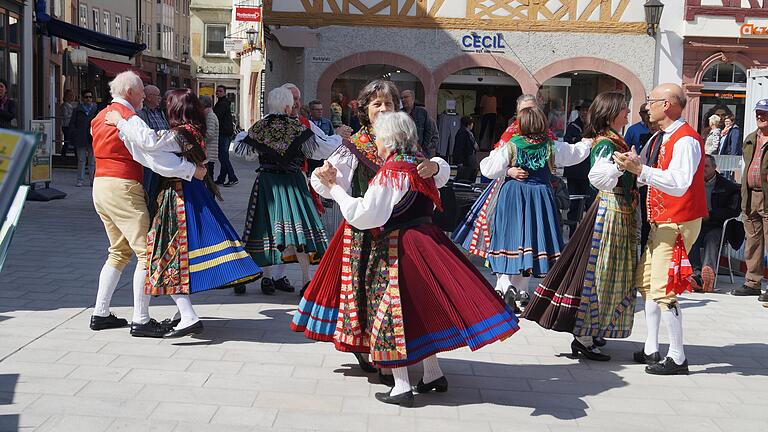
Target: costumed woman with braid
{"x": 590, "y": 292}
{"x": 423, "y": 296}
{"x": 191, "y": 246}
{"x": 334, "y": 303}
{"x": 474, "y": 233}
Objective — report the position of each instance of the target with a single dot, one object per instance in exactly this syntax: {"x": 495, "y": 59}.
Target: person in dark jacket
{"x": 223, "y": 112}
{"x": 577, "y": 175}
{"x": 425, "y": 126}
{"x": 7, "y": 107}
{"x": 723, "y": 203}
{"x": 80, "y": 130}
{"x": 730, "y": 142}
{"x": 464, "y": 151}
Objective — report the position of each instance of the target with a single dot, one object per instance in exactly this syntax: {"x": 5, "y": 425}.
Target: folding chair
{"x": 720, "y": 249}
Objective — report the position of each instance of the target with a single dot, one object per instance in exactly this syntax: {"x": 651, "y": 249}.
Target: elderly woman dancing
{"x": 423, "y": 295}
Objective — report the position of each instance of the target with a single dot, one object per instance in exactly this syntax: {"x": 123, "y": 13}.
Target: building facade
{"x": 452, "y": 53}
{"x": 165, "y": 29}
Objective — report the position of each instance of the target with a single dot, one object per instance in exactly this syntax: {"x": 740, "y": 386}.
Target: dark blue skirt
{"x": 527, "y": 234}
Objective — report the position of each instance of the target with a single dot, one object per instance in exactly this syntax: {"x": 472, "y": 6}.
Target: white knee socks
{"x": 652, "y": 318}
{"x": 503, "y": 281}
{"x": 402, "y": 383}
{"x": 108, "y": 279}
{"x": 673, "y": 319}
{"x": 274, "y": 272}
{"x": 432, "y": 369}
{"x": 188, "y": 315}
{"x": 140, "y": 300}
{"x": 303, "y": 259}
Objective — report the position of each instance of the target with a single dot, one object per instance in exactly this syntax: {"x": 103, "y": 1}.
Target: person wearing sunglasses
{"x": 754, "y": 204}
{"x": 633, "y": 136}
{"x": 80, "y": 129}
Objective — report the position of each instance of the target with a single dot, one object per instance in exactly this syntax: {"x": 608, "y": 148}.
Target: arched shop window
{"x": 724, "y": 93}
{"x": 347, "y": 85}
{"x": 561, "y": 95}
{"x": 474, "y": 92}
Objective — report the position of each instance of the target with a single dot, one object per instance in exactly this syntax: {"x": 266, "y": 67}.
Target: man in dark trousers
{"x": 223, "y": 112}
{"x": 723, "y": 203}
{"x": 577, "y": 176}
{"x": 464, "y": 151}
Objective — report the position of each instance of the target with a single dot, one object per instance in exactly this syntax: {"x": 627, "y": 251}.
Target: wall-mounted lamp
{"x": 653, "y": 9}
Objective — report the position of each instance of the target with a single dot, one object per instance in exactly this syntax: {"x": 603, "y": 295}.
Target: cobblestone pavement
{"x": 249, "y": 372}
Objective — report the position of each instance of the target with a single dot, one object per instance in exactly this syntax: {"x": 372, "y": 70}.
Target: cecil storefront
{"x": 451, "y": 69}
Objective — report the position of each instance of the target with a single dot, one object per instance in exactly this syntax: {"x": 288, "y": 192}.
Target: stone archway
{"x": 330, "y": 74}
{"x": 474, "y": 60}
{"x": 636, "y": 88}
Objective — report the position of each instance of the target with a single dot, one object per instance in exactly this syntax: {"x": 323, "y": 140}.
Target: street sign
{"x": 321, "y": 59}
{"x": 249, "y": 14}
{"x": 233, "y": 44}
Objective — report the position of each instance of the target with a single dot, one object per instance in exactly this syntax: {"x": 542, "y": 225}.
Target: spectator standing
{"x": 465, "y": 151}
{"x": 730, "y": 141}
{"x": 211, "y": 133}
{"x": 723, "y": 203}
{"x": 7, "y": 107}
{"x": 488, "y": 113}
{"x": 82, "y": 140}
{"x": 425, "y": 127}
{"x": 635, "y": 133}
{"x": 336, "y": 110}
{"x": 754, "y": 204}
{"x": 66, "y": 110}
{"x": 577, "y": 176}
{"x": 712, "y": 142}
{"x": 223, "y": 112}
{"x": 316, "y": 117}
{"x": 153, "y": 115}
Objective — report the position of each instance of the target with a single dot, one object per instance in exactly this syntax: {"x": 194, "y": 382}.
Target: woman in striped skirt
{"x": 590, "y": 291}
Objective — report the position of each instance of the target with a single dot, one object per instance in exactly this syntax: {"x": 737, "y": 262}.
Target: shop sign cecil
{"x": 474, "y": 42}
{"x": 753, "y": 30}
{"x": 249, "y": 14}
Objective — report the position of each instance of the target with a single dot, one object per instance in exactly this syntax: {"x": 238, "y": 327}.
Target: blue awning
{"x": 85, "y": 37}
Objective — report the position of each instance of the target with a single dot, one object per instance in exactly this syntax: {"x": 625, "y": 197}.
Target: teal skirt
{"x": 281, "y": 214}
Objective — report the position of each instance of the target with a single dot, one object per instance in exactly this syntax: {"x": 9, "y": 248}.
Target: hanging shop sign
{"x": 233, "y": 44}
{"x": 248, "y": 14}
{"x": 474, "y": 42}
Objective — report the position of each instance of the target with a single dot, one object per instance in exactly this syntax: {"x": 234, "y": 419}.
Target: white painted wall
{"x": 669, "y": 49}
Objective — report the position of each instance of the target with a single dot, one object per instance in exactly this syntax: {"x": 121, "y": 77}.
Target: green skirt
{"x": 281, "y": 214}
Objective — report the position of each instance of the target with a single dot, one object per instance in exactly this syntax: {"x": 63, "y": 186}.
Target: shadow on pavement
{"x": 9, "y": 422}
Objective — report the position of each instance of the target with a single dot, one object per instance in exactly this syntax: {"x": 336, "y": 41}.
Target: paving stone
{"x": 193, "y": 413}
{"x": 251, "y": 416}
{"x": 76, "y": 423}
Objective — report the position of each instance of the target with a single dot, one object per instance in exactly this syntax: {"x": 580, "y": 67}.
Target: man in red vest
{"x": 673, "y": 168}
{"x": 118, "y": 196}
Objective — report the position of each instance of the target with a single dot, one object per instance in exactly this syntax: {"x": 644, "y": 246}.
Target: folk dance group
{"x": 391, "y": 287}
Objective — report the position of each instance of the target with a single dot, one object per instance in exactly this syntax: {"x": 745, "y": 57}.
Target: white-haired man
{"x": 118, "y": 196}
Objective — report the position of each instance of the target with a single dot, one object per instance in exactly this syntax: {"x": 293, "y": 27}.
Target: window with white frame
{"x": 107, "y": 23}
{"x": 96, "y": 20}
{"x": 214, "y": 39}
{"x": 129, "y": 29}
{"x": 83, "y": 15}
{"x": 118, "y": 26}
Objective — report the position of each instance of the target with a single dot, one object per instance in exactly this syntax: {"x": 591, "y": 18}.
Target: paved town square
{"x": 249, "y": 372}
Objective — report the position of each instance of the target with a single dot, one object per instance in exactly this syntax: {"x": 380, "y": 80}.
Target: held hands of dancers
{"x": 112, "y": 118}
{"x": 629, "y": 161}
{"x": 427, "y": 168}
{"x": 326, "y": 174}
{"x": 344, "y": 131}
{"x": 201, "y": 170}
{"x": 517, "y": 173}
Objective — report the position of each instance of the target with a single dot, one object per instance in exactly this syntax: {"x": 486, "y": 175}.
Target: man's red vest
{"x": 665, "y": 208}
{"x": 112, "y": 156}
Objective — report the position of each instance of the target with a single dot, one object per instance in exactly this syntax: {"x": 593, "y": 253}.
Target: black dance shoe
{"x": 439, "y": 385}
{"x": 231, "y": 183}
{"x": 403, "y": 399}
{"x": 303, "y": 289}
{"x": 268, "y": 286}
{"x": 239, "y": 289}
{"x": 599, "y": 341}
{"x": 283, "y": 284}
{"x": 364, "y": 364}
{"x": 648, "y": 359}
{"x": 667, "y": 367}
{"x": 387, "y": 380}
{"x": 510, "y": 297}
{"x": 152, "y": 329}
{"x": 170, "y": 323}
{"x": 744, "y": 291}
{"x": 588, "y": 352}
{"x": 195, "y": 328}
{"x": 108, "y": 322}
